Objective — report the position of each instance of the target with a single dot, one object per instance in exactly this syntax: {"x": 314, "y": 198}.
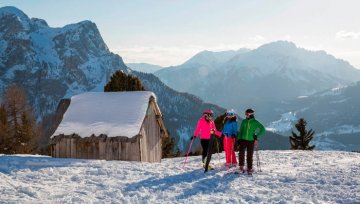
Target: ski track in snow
{"x": 286, "y": 177}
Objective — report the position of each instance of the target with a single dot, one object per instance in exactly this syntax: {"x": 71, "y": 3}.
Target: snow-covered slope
{"x": 334, "y": 114}
{"x": 286, "y": 177}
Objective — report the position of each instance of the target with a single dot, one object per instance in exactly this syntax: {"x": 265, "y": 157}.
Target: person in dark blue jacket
{"x": 229, "y": 132}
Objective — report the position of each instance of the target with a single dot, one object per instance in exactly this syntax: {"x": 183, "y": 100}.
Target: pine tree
{"x": 302, "y": 141}
{"x": 120, "y": 81}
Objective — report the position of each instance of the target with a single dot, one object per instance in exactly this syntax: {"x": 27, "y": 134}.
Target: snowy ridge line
{"x": 316, "y": 176}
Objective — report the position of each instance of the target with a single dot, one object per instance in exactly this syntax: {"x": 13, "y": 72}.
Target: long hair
{"x": 231, "y": 119}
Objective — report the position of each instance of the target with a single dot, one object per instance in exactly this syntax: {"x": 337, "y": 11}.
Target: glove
{"x": 222, "y": 135}
{"x": 255, "y": 137}
{"x": 192, "y": 137}
{"x": 233, "y": 136}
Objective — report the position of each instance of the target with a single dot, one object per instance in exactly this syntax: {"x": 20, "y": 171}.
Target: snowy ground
{"x": 286, "y": 177}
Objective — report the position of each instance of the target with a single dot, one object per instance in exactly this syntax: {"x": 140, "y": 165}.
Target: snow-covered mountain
{"x": 52, "y": 63}
{"x": 209, "y": 58}
{"x": 144, "y": 67}
{"x": 56, "y": 63}
{"x": 286, "y": 177}
{"x": 334, "y": 114}
{"x": 256, "y": 78}
{"x": 197, "y": 69}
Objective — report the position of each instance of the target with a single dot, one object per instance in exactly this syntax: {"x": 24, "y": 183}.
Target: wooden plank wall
{"x": 151, "y": 137}
{"x": 97, "y": 148}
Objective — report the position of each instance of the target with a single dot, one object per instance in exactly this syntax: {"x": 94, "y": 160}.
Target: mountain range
{"x": 257, "y": 78}
{"x": 55, "y": 63}
{"x": 283, "y": 83}
{"x": 144, "y": 67}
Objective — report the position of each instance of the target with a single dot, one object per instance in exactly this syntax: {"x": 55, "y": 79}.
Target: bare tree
{"x": 21, "y": 129}
{"x": 4, "y": 132}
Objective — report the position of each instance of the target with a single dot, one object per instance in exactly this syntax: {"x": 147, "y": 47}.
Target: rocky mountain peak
{"x": 52, "y": 63}
{"x": 38, "y": 23}
{"x": 281, "y": 47}
{"x": 13, "y": 20}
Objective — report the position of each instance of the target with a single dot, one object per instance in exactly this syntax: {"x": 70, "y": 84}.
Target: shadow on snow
{"x": 10, "y": 163}
{"x": 196, "y": 182}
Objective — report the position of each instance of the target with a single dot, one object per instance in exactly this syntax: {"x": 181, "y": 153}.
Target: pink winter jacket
{"x": 203, "y": 127}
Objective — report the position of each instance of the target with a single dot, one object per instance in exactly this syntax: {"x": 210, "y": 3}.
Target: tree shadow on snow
{"x": 188, "y": 184}
{"x": 10, "y": 163}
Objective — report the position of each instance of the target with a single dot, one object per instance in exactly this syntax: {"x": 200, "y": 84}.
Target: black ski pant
{"x": 205, "y": 148}
{"x": 249, "y": 146}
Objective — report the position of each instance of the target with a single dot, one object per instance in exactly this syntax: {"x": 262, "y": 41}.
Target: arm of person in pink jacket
{"x": 216, "y": 132}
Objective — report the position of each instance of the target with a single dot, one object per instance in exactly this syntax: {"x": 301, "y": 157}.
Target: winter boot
{"x": 250, "y": 171}
{"x": 241, "y": 169}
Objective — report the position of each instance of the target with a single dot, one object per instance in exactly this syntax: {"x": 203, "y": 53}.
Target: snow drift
{"x": 286, "y": 177}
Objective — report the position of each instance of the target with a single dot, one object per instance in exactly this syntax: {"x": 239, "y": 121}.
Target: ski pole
{"x": 258, "y": 157}
{"x": 217, "y": 144}
{"x": 188, "y": 152}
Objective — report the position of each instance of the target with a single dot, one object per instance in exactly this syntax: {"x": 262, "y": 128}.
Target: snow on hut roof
{"x": 109, "y": 113}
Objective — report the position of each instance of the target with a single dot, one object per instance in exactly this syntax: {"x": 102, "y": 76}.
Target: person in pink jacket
{"x": 205, "y": 127}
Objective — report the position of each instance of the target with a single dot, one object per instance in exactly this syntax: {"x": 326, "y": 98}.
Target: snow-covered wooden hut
{"x": 112, "y": 126}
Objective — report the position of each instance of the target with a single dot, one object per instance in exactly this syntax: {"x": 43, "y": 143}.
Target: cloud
{"x": 287, "y": 37}
{"x": 347, "y": 35}
{"x": 164, "y": 56}
{"x": 257, "y": 38}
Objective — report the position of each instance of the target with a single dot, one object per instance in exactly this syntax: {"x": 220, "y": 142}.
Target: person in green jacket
{"x": 250, "y": 131}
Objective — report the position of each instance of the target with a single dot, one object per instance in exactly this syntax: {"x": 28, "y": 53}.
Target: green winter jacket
{"x": 248, "y": 128}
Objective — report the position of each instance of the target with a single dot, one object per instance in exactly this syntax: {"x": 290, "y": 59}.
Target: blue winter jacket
{"x": 230, "y": 128}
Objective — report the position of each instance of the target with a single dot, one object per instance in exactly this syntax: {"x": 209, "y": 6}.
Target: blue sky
{"x": 168, "y": 32}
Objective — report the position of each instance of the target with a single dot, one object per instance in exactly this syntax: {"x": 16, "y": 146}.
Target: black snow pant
{"x": 205, "y": 147}
{"x": 249, "y": 146}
